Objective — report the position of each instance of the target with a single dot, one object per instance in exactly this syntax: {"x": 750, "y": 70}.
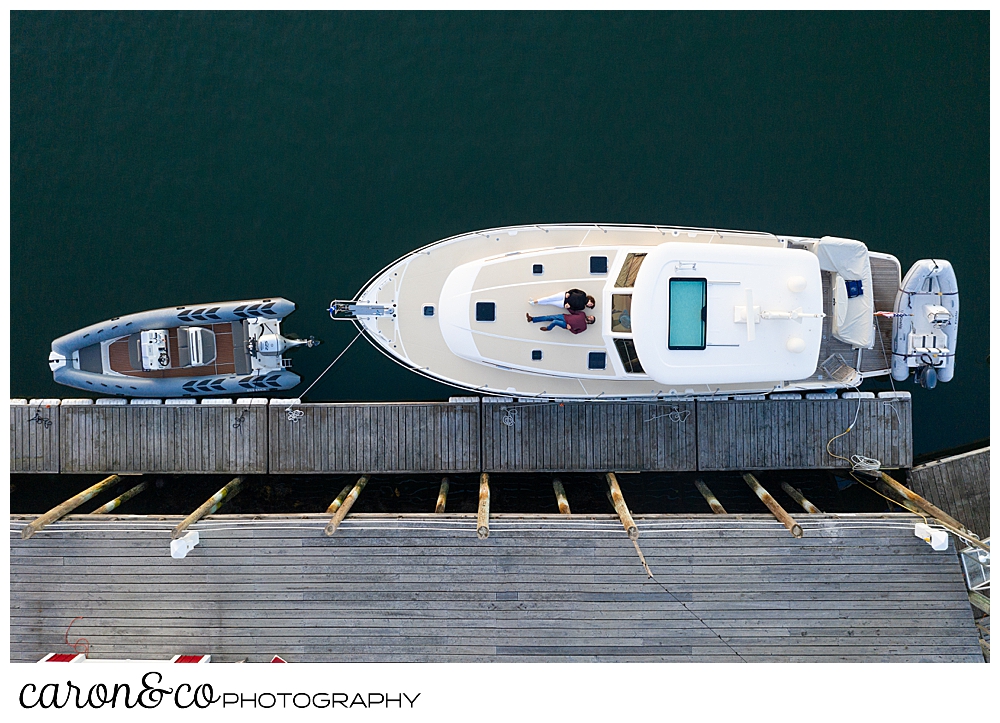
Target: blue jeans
{"x": 557, "y": 320}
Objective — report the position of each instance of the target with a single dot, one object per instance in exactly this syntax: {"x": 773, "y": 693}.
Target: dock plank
{"x": 594, "y": 436}
{"x": 541, "y": 588}
{"x": 959, "y": 485}
{"x": 194, "y": 439}
{"x": 386, "y": 437}
{"x": 793, "y": 433}
{"x": 34, "y": 438}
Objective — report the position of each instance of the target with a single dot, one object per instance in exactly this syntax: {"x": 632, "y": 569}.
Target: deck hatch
{"x": 536, "y": 354}
{"x": 486, "y": 311}
{"x": 688, "y": 314}
{"x": 428, "y": 310}
{"x": 536, "y": 269}
{"x": 597, "y": 360}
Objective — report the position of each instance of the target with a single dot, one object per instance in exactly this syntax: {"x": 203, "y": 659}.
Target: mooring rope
{"x": 294, "y": 415}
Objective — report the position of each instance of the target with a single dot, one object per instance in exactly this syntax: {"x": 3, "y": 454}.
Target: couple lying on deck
{"x": 575, "y": 319}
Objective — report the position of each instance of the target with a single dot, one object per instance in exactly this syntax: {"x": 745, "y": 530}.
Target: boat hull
{"x": 70, "y": 352}
{"x": 405, "y": 290}
{"x": 925, "y": 328}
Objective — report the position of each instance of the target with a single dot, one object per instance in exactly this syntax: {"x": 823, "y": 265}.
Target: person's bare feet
{"x": 529, "y": 317}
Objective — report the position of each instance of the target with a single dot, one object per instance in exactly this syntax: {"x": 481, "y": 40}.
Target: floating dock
{"x": 959, "y": 484}
{"x": 463, "y": 435}
{"x": 414, "y": 588}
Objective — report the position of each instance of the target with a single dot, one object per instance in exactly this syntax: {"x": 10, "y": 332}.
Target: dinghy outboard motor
{"x": 926, "y": 376}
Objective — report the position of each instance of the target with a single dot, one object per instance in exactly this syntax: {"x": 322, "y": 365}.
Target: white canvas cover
{"x": 848, "y": 260}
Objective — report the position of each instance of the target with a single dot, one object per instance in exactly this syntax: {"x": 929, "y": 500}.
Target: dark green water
{"x": 161, "y": 159}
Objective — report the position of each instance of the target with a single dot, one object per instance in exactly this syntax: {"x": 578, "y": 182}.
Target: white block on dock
{"x": 498, "y": 400}
{"x": 181, "y": 547}
{"x": 217, "y": 401}
{"x": 749, "y": 397}
{"x": 821, "y": 395}
{"x": 786, "y": 395}
{"x": 255, "y": 401}
{"x": 146, "y": 402}
{"x": 180, "y": 402}
{"x": 44, "y": 402}
{"x": 858, "y": 395}
{"x": 111, "y": 401}
{"x": 76, "y": 402}
{"x": 713, "y": 398}
{"x": 893, "y": 395}
{"x": 18, "y": 402}
{"x": 463, "y": 400}
{"x": 284, "y": 402}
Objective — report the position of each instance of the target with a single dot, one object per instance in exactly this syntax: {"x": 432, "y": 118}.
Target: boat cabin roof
{"x": 674, "y": 313}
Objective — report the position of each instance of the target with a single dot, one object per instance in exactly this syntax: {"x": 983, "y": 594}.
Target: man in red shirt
{"x": 575, "y": 321}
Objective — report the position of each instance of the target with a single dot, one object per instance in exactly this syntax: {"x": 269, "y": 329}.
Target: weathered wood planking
{"x": 424, "y": 588}
{"x": 492, "y": 436}
{"x": 793, "y": 434}
{"x": 885, "y": 279}
{"x": 172, "y": 439}
{"x": 588, "y": 436}
{"x": 34, "y": 438}
{"x": 959, "y": 485}
{"x": 388, "y": 437}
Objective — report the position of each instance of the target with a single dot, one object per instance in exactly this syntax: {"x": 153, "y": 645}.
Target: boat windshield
{"x": 686, "y": 329}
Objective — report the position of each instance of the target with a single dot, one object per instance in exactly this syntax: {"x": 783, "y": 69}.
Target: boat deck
{"x": 874, "y": 361}
{"x": 118, "y": 356}
{"x": 541, "y": 588}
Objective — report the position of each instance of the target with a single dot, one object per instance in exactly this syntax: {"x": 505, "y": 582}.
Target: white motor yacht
{"x": 678, "y": 312}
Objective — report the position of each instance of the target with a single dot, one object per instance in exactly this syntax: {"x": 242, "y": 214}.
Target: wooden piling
{"x": 442, "y": 496}
{"x": 620, "y": 507}
{"x": 349, "y": 501}
{"x": 557, "y": 487}
{"x": 800, "y": 498}
{"x": 710, "y": 498}
{"x": 210, "y": 505}
{"x": 125, "y": 496}
{"x": 483, "y": 518}
{"x": 335, "y": 505}
{"x": 929, "y": 508}
{"x": 772, "y": 504}
{"x": 959, "y": 532}
{"x": 980, "y": 601}
{"x": 68, "y": 506}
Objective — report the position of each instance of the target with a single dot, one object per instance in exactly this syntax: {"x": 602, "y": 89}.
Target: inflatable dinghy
{"x": 925, "y": 324}
{"x": 232, "y": 347}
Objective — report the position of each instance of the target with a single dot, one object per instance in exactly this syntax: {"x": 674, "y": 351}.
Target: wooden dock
{"x": 541, "y": 588}
{"x": 960, "y": 485}
{"x": 462, "y": 435}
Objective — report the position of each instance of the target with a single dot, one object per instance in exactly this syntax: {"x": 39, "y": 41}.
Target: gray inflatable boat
{"x": 234, "y": 347}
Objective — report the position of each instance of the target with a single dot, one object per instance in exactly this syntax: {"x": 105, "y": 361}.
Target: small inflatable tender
{"x": 232, "y": 347}
{"x": 925, "y": 324}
